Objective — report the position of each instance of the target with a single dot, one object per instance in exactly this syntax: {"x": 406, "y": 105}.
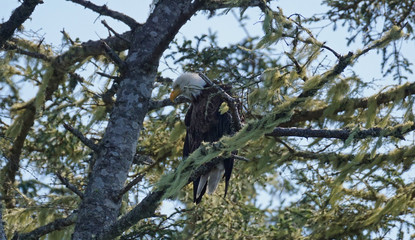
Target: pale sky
{"x": 51, "y": 17}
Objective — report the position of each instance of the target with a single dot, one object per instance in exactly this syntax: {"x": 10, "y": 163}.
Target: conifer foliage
{"x": 321, "y": 151}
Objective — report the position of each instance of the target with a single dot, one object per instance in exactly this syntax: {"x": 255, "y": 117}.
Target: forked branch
{"x": 105, "y": 11}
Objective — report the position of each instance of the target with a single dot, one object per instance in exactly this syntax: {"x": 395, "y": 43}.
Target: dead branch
{"x": 241, "y": 158}
{"x": 88, "y": 142}
{"x": 140, "y": 159}
{"x": 114, "y": 32}
{"x": 114, "y": 57}
{"x": 19, "y": 16}
{"x": 69, "y": 185}
{"x": 130, "y": 185}
{"x": 13, "y": 47}
{"x": 105, "y": 11}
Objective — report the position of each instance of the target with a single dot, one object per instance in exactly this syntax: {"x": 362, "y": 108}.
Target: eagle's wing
{"x": 204, "y": 123}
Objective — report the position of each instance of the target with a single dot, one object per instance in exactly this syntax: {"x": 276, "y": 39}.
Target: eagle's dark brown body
{"x": 204, "y": 123}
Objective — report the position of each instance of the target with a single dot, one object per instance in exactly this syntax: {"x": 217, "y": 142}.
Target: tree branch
{"x": 88, "y": 142}
{"x": 13, "y": 47}
{"x": 331, "y": 50}
{"x": 219, "y": 4}
{"x": 149, "y": 204}
{"x": 69, "y": 185}
{"x": 208, "y": 155}
{"x": 100, "y": 206}
{"x": 114, "y": 32}
{"x": 380, "y": 98}
{"x": 154, "y": 105}
{"x": 25, "y": 123}
{"x": 116, "y": 78}
{"x": 140, "y": 159}
{"x": 59, "y": 66}
{"x": 56, "y": 225}
{"x": 114, "y": 57}
{"x": 18, "y": 17}
{"x": 130, "y": 185}
{"x": 103, "y": 10}
{"x": 398, "y": 156}
{"x": 78, "y": 53}
{"x": 147, "y": 207}
{"x": 343, "y": 134}
{"x": 241, "y": 158}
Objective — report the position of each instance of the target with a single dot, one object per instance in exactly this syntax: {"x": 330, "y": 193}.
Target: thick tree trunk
{"x": 2, "y": 233}
{"x": 100, "y": 205}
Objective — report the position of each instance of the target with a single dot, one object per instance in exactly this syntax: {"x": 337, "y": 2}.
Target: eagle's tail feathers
{"x": 201, "y": 185}
{"x": 214, "y": 177}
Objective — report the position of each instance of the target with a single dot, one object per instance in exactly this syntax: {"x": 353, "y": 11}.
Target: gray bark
{"x": 101, "y": 204}
{"x": 19, "y": 16}
{"x": 2, "y": 233}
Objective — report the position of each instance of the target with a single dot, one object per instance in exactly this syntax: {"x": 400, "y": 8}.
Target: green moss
{"x": 371, "y": 112}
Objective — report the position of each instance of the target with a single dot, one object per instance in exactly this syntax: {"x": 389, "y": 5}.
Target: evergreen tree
{"x": 322, "y": 153}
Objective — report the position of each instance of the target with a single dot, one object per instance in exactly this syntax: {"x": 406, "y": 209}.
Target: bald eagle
{"x": 204, "y": 123}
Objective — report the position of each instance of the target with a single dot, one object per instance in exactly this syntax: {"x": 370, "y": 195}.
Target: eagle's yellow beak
{"x": 176, "y": 92}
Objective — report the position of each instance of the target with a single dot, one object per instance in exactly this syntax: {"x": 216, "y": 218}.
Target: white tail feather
{"x": 202, "y": 182}
{"x": 214, "y": 177}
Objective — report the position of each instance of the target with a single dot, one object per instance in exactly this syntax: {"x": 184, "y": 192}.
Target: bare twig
{"x": 88, "y": 142}
{"x": 290, "y": 149}
{"x": 108, "y": 76}
{"x": 331, "y": 50}
{"x": 9, "y": 46}
{"x": 114, "y": 57}
{"x": 69, "y": 185}
{"x": 140, "y": 159}
{"x": 77, "y": 77}
{"x": 105, "y": 11}
{"x": 114, "y": 32}
{"x": 376, "y": 44}
{"x": 66, "y": 35}
{"x": 237, "y": 157}
{"x": 107, "y": 97}
{"x": 323, "y": 45}
{"x": 130, "y": 185}
{"x": 236, "y": 120}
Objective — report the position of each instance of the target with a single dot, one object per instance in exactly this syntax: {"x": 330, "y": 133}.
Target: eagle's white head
{"x": 188, "y": 85}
